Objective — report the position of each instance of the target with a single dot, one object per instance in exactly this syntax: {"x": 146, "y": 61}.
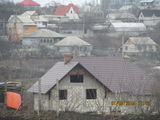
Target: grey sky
{"x": 43, "y": 2}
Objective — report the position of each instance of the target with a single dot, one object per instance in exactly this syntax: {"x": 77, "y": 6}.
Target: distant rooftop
{"x": 72, "y": 41}
{"x": 146, "y": 1}
{"x": 151, "y": 12}
{"x": 142, "y": 40}
{"x": 63, "y": 9}
{"x": 28, "y": 3}
{"x": 134, "y": 27}
{"x": 45, "y": 33}
{"x": 29, "y": 13}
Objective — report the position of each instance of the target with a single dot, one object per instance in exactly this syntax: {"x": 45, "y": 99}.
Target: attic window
{"x": 126, "y": 47}
{"x": 76, "y": 78}
{"x": 62, "y": 94}
{"x": 91, "y": 93}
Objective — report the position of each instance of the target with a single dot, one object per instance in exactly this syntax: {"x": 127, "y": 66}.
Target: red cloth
{"x": 13, "y": 100}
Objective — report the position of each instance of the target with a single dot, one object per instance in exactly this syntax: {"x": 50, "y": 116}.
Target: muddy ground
{"x": 28, "y": 115}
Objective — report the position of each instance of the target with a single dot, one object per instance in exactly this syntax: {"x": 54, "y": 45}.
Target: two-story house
{"x": 20, "y": 26}
{"x": 95, "y": 84}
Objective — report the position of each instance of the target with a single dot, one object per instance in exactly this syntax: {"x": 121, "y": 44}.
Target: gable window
{"x": 26, "y": 29}
{"x": 62, "y": 94}
{"x": 91, "y": 93}
{"x": 126, "y": 47}
{"x": 76, "y": 78}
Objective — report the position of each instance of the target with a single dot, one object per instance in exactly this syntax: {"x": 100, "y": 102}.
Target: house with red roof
{"x": 70, "y": 10}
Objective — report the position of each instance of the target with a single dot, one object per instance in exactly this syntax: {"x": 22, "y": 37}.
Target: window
{"x": 26, "y": 29}
{"x": 62, "y": 94}
{"x": 91, "y": 93}
{"x": 139, "y": 47}
{"x": 76, "y": 78}
{"x": 126, "y": 47}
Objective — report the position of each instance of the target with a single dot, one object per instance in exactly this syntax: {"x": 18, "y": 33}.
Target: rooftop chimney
{"x": 67, "y": 58}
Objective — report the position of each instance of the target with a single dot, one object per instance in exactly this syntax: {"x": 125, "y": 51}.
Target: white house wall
{"x": 131, "y": 48}
{"x": 30, "y": 42}
{"x": 77, "y": 51}
{"x": 72, "y": 14}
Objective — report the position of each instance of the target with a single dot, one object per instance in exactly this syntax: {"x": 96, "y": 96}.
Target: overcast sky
{"x": 43, "y": 2}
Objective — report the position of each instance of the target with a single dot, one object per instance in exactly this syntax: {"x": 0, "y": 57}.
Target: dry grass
{"x": 51, "y": 115}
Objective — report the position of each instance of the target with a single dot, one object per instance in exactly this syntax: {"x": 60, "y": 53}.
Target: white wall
{"x": 76, "y": 50}
{"x": 133, "y": 49}
{"x": 72, "y": 14}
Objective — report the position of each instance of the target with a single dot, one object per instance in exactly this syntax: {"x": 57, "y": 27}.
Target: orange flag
{"x": 13, "y": 100}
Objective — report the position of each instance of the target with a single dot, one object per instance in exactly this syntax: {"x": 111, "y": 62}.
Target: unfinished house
{"x": 95, "y": 84}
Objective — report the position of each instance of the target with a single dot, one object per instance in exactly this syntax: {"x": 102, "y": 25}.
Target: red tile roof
{"x": 29, "y": 2}
{"x": 63, "y": 9}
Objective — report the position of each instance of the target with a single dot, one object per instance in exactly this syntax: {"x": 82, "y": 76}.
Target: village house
{"x": 70, "y": 10}
{"x": 74, "y": 45}
{"x": 150, "y": 17}
{"x": 19, "y": 26}
{"x": 142, "y": 46}
{"x": 95, "y": 84}
{"x": 42, "y": 37}
{"x": 39, "y": 20}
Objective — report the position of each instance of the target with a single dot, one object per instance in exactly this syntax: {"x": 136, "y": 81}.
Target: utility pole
{"x": 84, "y": 25}
{"x": 57, "y": 110}
{"x": 4, "y": 26}
{"x": 122, "y": 43}
{"x": 39, "y": 96}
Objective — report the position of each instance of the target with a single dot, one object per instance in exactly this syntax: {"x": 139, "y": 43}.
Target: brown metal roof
{"x": 57, "y": 72}
{"x": 117, "y": 74}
